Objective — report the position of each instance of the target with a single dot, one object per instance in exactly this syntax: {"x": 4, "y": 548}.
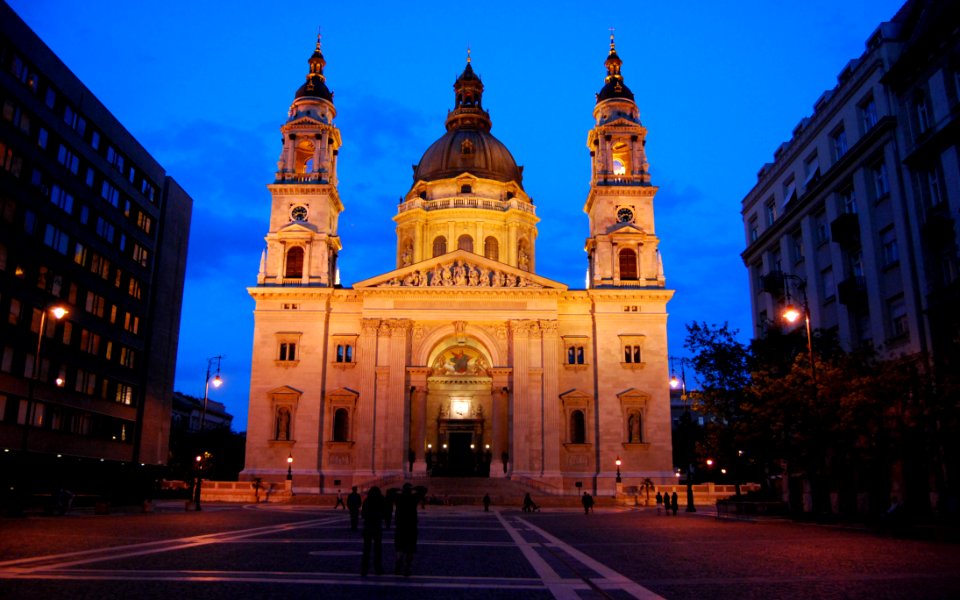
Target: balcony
{"x": 845, "y": 230}
{"x": 939, "y": 229}
{"x": 852, "y": 293}
{"x": 467, "y": 202}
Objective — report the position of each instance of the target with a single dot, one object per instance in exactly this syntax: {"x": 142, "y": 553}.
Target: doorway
{"x": 461, "y": 455}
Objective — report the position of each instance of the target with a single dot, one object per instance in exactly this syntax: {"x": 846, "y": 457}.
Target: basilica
{"x": 459, "y": 359}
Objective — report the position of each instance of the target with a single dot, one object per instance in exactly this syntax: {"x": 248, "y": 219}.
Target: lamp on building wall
{"x": 618, "y": 462}
{"x": 217, "y": 381}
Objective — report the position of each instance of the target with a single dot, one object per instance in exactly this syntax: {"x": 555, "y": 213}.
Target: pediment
{"x": 343, "y": 392}
{"x": 634, "y": 395}
{"x": 626, "y": 228}
{"x": 576, "y": 394}
{"x": 298, "y": 227}
{"x": 460, "y": 269}
{"x": 620, "y": 122}
{"x": 305, "y": 121}
{"x": 284, "y": 389}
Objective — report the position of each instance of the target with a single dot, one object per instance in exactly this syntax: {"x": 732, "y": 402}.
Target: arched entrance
{"x": 459, "y": 410}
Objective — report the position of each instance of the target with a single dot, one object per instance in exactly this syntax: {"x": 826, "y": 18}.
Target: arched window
{"x": 294, "y": 262}
{"x": 439, "y": 245}
{"x": 578, "y": 428}
{"x": 628, "y": 264}
{"x": 465, "y": 242}
{"x": 341, "y": 424}
{"x": 491, "y": 248}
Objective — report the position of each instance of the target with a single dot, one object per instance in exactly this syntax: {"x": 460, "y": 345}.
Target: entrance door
{"x": 461, "y": 456}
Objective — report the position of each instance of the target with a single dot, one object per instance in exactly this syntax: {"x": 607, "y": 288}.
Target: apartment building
{"x": 92, "y": 225}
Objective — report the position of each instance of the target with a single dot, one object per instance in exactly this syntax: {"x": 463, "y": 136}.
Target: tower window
{"x": 619, "y": 168}
{"x": 631, "y": 354}
{"x": 344, "y": 353}
{"x": 628, "y": 264}
{"x": 465, "y": 242}
{"x": 466, "y": 189}
{"x": 439, "y": 245}
{"x": 294, "y": 262}
{"x": 491, "y": 248}
{"x": 288, "y": 351}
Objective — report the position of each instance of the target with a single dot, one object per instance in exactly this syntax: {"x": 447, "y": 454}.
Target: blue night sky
{"x": 205, "y": 86}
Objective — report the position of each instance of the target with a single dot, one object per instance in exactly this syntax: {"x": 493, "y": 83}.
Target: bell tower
{"x": 302, "y": 243}
{"x": 622, "y": 247}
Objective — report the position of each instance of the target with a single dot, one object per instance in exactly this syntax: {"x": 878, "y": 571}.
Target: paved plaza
{"x": 306, "y": 551}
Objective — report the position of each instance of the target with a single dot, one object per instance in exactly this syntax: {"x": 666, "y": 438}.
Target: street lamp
{"x": 290, "y": 467}
{"x": 196, "y": 487}
{"x": 58, "y": 313}
{"x": 217, "y": 382}
{"x": 618, "y": 462}
{"x": 792, "y": 314}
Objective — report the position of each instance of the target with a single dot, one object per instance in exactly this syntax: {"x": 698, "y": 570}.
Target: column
{"x": 499, "y": 442}
{"x": 551, "y": 400}
{"x": 520, "y": 455}
{"x": 366, "y": 424}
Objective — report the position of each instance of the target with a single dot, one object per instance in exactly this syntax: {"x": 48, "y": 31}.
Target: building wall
{"x": 90, "y": 221}
{"x": 852, "y": 229}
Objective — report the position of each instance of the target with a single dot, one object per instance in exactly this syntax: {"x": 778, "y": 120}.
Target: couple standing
{"x": 374, "y": 512}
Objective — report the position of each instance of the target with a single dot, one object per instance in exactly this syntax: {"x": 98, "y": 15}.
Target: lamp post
{"x": 791, "y": 314}
{"x": 290, "y": 468}
{"x": 217, "y": 382}
{"x": 196, "y": 487}
{"x": 58, "y": 313}
{"x": 681, "y": 383}
{"x": 618, "y": 462}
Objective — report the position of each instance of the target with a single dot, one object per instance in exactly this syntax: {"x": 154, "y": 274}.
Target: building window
{"x": 288, "y": 351}
{"x": 344, "y": 353}
{"x": 575, "y": 355}
{"x": 491, "y": 248}
{"x": 889, "y": 253}
{"x": 67, "y": 158}
{"x": 930, "y": 181}
{"x": 294, "y": 267}
{"x": 881, "y": 185}
{"x": 631, "y": 354}
{"x": 811, "y": 170}
{"x": 789, "y": 195}
{"x": 578, "y": 427}
{"x": 838, "y": 143}
{"x": 439, "y": 245}
{"x": 897, "y": 310}
{"x": 868, "y": 114}
{"x": 848, "y": 201}
{"x": 124, "y": 394}
{"x": 61, "y": 198}
{"x": 776, "y": 261}
{"x": 921, "y": 113}
{"x": 341, "y": 425}
{"x": 628, "y": 265}
{"x": 141, "y": 255}
{"x": 466, "y": 189}
{"x": 56, "y": 239}
{"x": 770, "y": 209}
{"x": 820, "y": 229}
{"x": 465, "y": 242}
{"x": 753, "y": 229}
{"x": 796, "y": 246}
{"x": 827, "y": 284}
{"x": 105, "y": 229}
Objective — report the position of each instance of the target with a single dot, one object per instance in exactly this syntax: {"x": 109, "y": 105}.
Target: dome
{"x": 613, "y": 87}
{"x": 468, "y": 146}
{"x": 470, "y": 150}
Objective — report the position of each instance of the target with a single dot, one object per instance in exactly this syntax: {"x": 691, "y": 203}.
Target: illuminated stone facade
{"x": 461, "y": 360}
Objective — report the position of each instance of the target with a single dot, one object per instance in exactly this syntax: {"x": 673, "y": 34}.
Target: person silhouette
{"x": 373, "y": 513}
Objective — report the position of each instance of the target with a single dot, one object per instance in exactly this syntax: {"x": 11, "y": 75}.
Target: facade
{"x": 459, "y": 359}
{"x": 188, "y": 412}
{"x": 91, "y": 223}
{"x": 859, "y": 207}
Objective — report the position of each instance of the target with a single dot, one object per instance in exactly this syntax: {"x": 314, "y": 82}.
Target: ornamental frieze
{"x": 460, "y": 273}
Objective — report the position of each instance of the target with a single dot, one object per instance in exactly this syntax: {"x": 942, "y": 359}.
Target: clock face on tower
{"x": 624, "y": 215}
{"x": 299, "y": 213}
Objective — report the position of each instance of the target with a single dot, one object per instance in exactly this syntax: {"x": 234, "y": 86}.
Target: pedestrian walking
{"x": 354, "y": 501}
{"x": 673, "y": 504}
{"x": 405, "y": 534}
{"x": 528, "y": 504}
{"x": 659, "y": 502}
{"x": 373, "y": 513}
{"x": 339, "y": 503}
{"x": 486, "y": 503}
{"x": 587, "y": 501}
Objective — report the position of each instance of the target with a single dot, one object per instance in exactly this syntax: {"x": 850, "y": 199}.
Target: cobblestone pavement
{"x": 299, "y": 552}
